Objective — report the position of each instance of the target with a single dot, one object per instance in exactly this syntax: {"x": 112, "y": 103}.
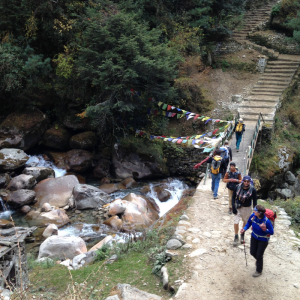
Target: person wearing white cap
{"x": 239, "y": 129}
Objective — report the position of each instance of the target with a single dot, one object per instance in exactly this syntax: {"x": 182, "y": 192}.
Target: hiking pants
{"x": 238, "y": 136}
{"x": 215, "y": 183}
{"x": 225, "y": 170}
{"x": 257, "y": 249}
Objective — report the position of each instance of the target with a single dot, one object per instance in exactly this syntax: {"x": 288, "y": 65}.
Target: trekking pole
{"x": 245, "y": 253}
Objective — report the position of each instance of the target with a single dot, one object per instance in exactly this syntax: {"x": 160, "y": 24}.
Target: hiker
{"x": 239, "y": 128}
{"x": 229, "y": 157}
{"x": 262, "y": 229}
{"x": 233, "y": 178}
{"x": 218, "y": 166}
{"x": 242, "y": 197}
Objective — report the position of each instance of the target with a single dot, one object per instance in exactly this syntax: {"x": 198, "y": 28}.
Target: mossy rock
{"x": 85, "y": 140}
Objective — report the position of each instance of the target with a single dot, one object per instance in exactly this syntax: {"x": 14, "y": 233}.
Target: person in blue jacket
{"x": 262, "y": 229}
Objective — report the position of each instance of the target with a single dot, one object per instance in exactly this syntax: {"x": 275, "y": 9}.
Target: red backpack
{"x": 270, "y": 214}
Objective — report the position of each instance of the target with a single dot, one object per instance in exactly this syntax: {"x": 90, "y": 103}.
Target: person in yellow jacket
{"x": 239, "y": 129}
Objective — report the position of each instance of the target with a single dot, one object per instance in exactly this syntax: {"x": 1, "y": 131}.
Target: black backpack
{"x": 231, "y": 185}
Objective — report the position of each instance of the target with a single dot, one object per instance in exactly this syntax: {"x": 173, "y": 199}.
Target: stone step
{"x": 278, "y": 94}
{"x": 255, "y": 117}
{"x": 256, "y": 111}
{"x": 258, "y": 105}
{"x": 287, "y": 57}
{"x": 278, "y": 74}
{"x": 263, "y": 97}
{"x": 270, "y": 86}
{"x": 280, "y": 69}
{"x": 268, "y": 90}
{"x": 260, "y": 102}
{"x": 283, "y": 63}
{"x": 269, "y": 82}
{"x": 275, "y": 78}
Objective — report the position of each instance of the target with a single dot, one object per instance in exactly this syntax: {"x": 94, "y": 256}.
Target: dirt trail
{"x": 221, "y": 272}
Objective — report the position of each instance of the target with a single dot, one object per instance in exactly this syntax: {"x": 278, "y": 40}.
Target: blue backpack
{"x": 224, "y": 152}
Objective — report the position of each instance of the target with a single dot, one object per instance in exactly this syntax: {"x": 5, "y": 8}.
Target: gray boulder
{"x": 50, "y": 230}
{"x": 39, "y": 173}
{"x": 173, "y": 244}
{"x": 21, "y": 197}
{"x": 78, "y": 160}
{"x": 85, "y": 140}
{"x": 62, "y": 247}
{"x": 22, "y": 181}
{"x": 87, "y": 196}
{"x": 290, "y": 177}
{"x": 284, "y": 193}
{"x": 57, "y": 138}
{"x": 12, "y": 159}
{"x": 129, "y": 293}
{"x": 23, "y": 130}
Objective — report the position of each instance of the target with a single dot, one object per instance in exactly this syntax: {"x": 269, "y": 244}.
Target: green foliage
{"x": 103, "y": 253}
{"x": 292, "y": 208}
{"x": 276, "y": 9}
{"x": 160, "y": 260}
{"x": 33, "y": 263}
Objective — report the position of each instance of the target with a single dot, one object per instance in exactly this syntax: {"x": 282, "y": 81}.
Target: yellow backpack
{"x": 215, "y": 164}
{"x": 239, "y": 127}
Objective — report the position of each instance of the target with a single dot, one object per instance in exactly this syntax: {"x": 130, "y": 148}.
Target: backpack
{"x": 231, "y": 185}
{"x": 239, "y": 127}
{"x": 270, "y": 214}
{"x": 224, "y": 152}
{"x": 216, "y": 164}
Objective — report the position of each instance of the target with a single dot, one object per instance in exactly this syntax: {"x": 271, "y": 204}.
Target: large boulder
{"x": 117, "y": 207}
{"x": 22, "y": 181}
{"x": 284, "y": 193}
{"x": 12, "y": 159}
{"x": 78, "y": 160}
{"x": 4, "y": 180}
{"x": 55, "y": 191}
{"x": 62, "y": 247}
{"x": 56, "y": 216}
{"x": 85, "y": 140}
{"x": 105, "y": 241}
{"x": 58, "y": 158}
{"x": 23, "y": 130}
{"x": 21, "y": 197}
{"x": 290, "y": 177}
{"x": 127, "y": 163}
{"x": 87, "y": 196}
{"x": 139, "y": 212}
{"x": 101, "y": 169}
{"x": 57, "y": 138}
{"x": 39, "y": 173}
{"x": 71, "y": 121}
{"x": 127, "y": 292}
{"x": 129, "y": 183}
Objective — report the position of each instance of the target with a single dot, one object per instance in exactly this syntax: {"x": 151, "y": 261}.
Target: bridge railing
{"x": 227, "y": 136}
{"x": 250, "y": 150}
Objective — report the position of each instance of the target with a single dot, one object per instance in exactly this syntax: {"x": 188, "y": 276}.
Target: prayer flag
{"x": 207, "y": 121}
{"x": 173, "y": 115}
{"x": 159, "y": 103}
{"x": 179, "y": 141}
{"x": 179, "y": 116}
{"x": 195, "y": 118}
{"x": 169, "y": 107}
{"x": 215, "y": 131}
{"x": 165, "y": 106}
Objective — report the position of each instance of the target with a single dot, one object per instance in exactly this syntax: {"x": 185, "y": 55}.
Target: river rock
{"x": 102, "y": 169}
{"x": 127, "y": 163}
{"x": 62, "y": 247}
{"x": 39, "y": 173}
{"x": 5, "y": 224}
{"x": 56, "y": 216}
{"x": 57, "y": 138}
{"x": 78, "y": 160}
{"x": 105, "y": 241}
{"x": 116, "y": 207}
{"x": 22, "y": 181}
{"x": 46, "y": 207}
{"x": 87, "y": 196}
{"x": 110, "y": 188}
{"x": 162, "y": 194}
{"x": 85, "y": 140}
{"x": 4, "y": 180}
{"x": 25, "y": 209}
{"x": 173, "y": 244}
{"x": 128, "y": 292}
{"x": 115, "y": 222}
{"x": 21, "y": 197}
{"x": 50, "y": 230}
{"x": 236, "y": 98}
{"x": 55, "y": 191}
{"x": 23, "y": 130}
{"x": 129, "y": 183}
{"x": 58, "y": 158}
{"x": 290, "y": 177}
{"x": 12, "y": 159}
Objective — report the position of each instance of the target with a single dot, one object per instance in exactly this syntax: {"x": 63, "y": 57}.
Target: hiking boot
{"x": 242, "y": 238}
{"x": 237, "y": 150}
{"x": 230, "y": 211}
{"x": 236, "y": 241}
{"x": 216, "y": 197}
{"x": 256, "y": 274}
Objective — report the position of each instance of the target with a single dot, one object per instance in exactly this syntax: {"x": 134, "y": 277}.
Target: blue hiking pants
{"x": 215, "y": 183}
{"x": 238, "y": 136}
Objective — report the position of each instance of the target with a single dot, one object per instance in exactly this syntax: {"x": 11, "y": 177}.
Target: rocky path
{"x": 219, "y": 270}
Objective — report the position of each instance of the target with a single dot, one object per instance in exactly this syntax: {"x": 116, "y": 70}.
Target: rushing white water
{"x": 176, "y": 188}
{"x": 6, "y": 212}
{"x": 39, "y": 161}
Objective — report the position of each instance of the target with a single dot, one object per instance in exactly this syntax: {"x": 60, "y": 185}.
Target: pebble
{"x": 182, "y": 222}
{"x": 187, "y": 246}
{"x": 198, "y": 252}
{"x": 184, "y": 217}
{"x": 207, "y": 234}
{"x": 196, "y": 241}
{"x": 194, "y": 230}
{"x": 296, "y": 285}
